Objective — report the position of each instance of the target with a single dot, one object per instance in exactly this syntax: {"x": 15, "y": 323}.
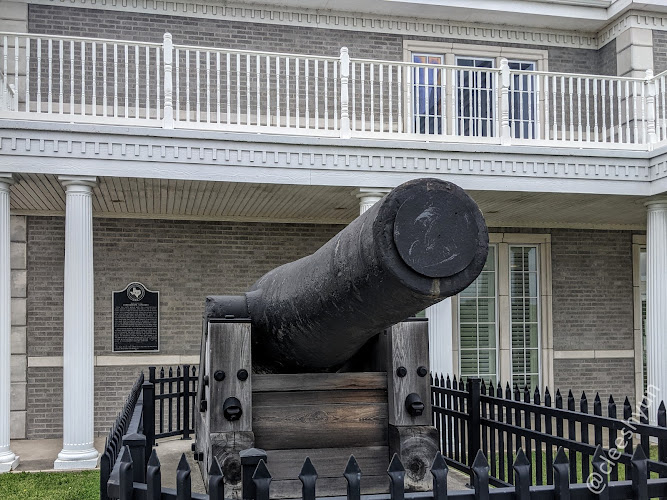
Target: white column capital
{"x": 78, "y": 183}
{"x": 369, "y": 197}
{"x": 6, "y": 180}
{"x": 656, "y": 204}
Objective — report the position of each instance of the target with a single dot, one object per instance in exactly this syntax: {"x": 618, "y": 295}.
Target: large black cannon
{"x": 278, "y": 366}
{"x": 425, "y": 241}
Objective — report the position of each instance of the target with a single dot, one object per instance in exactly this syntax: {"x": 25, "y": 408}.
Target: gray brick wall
{"x": 52, "y": 19}
{"x": 112, "y": 385}
{"x": 607, "y": 59}
{"x": 659, "y": 51}
{"x": 45, "y": 403}
{"x": 607, "y": 376}
{"x": 592, "y": 289}
{"x": 184, "y": 260}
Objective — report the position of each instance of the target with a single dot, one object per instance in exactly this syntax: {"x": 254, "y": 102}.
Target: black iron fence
{"x": 472, "y": 416}
{"x": 256, "y": 481}
{"x": 175, "y": 394}
{"x": 115, "y": 440}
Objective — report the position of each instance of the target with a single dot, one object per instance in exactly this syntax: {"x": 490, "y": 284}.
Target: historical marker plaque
{"x": 136, "y": 319}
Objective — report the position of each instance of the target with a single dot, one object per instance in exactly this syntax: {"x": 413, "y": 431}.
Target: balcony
{"x": 114, "y": 82}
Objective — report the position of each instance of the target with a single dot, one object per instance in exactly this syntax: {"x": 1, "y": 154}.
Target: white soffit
{"x": 123, "y": 197}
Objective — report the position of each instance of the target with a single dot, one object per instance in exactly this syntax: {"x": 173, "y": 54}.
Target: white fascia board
{"x": 113, "y": 151}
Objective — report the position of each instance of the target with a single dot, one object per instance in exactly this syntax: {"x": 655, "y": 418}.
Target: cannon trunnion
{"x": 269, "y": 357}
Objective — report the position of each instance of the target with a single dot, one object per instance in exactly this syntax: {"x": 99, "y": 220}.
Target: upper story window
{"x": 465, "y": 101}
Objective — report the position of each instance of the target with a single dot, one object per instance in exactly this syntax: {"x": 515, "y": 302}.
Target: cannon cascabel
{"x": 423, "y": 242}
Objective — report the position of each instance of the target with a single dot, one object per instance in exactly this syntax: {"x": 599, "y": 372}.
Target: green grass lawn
{"x": 83, "y": 485}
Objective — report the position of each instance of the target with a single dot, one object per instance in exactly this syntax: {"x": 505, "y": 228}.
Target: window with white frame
{"x": 505, "y": 345}
{"x": 467, "y": 98}
{"x": 427, "y": 84}
{"x": 478, "y": 323}
{"x": 524, "y": 315}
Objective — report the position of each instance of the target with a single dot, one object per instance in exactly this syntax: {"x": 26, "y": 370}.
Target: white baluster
{"x": 390, "y": 106}
{"x": 247, "y": 88}
{"x": 579, "y": 124}
{"x": 326, "y": 95}
{"x": 363, "y": 96}
{"x": 27, "y": 74}
{"x": 17, "y": 49}
{"x": 5, "y": 50}
{"x": 127, "y": 80}
{"x": 353, "y": 119}
{"x": 83, "y": 78}
{"x": 538, "y": 107}
{"x": 287, "y": 93}
{"x": 297, "y": 84}
{"x": 277, "y": 91}
{"x": 335, "y": 95}
{"x": 554, "y": 93}
{"x": 546, "y": 105}
{"x": 316, "y": 95}
{"x": 157, "y": 84}
{"x": 257, "y": 86}
{"x": 627, "y": 112}
{"x": 380, "y": 104}
{"x": 663, "y": 94}
{"x": 588, "y": 111}
{"x": 267, "y": 66}
{"x": 619, "y": 110}
{"x": 115, "y": 80}
{"x": 372, "y": 86}
{"x": 198, "y": 81}
{"x": 634, "y": 112}
{"x": 208, "y": 86}
{"x": 104, "y": 80}
{"x": 307, "y": 75}
{"x": 400, "y": 97}
{"x": 603, "y": 97}
{"x": 611, "y": 110}
{"x": 147, "y": 60}
{"x": 344, "y": 93}
{"x": 177, "y": 59}
{"x": 187, "y": 85}
{"x": 217, "y": 85}
{"x": 167, "y": 49}
{"x": 571, "y": 106}
{"x": 238, "y": 89}
{"x": 71, "y": 77}
{"x": 136, "y": 81}
{"x": 650, "y": 107}
{"x": 505, "y": 137}
{"x": 39, "y": 75}
{"x": 228, "y": 88}
{"x": 94, "y": 96}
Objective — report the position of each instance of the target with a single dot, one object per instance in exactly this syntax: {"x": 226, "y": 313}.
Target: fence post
{"x": 186, "y": 401}
{"x": 168, "y": 117}
{"x": 474, "y": 422}
{"x": 136, "y": 443}
{"x": 250, "y": 459}
{"x": 505, "y": 136}
{"x": 650, "y": 108}
{"x": 149, "y": 414}
{"x": 344, "y": 94}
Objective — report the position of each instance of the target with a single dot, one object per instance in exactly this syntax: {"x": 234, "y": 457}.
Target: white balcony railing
{"x": 91, "y": 80}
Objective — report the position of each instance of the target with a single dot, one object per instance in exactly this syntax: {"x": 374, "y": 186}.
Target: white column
{"x": 656, "y": 298}
{"x": 78, "y": 405}
{"x": 8, "y": 460}
{"x": 439, "y": 315}
{"x": 369, "y": 197}
{"x": 440, "y": 337}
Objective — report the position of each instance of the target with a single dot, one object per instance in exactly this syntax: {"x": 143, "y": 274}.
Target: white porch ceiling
{"x": 207, "y": 200}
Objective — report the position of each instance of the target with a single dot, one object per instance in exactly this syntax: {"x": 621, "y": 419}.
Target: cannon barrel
{"x": 424, "y": 241}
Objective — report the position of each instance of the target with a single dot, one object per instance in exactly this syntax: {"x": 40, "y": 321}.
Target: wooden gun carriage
{"x": 317, "y": 358}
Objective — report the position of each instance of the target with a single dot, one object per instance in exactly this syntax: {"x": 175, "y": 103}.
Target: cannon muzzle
{"x": 424, "y": 241}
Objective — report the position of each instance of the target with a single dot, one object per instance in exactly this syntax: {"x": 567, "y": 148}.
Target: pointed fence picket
{"x": 640, "y": 487}
{"x": 502, "y": 421}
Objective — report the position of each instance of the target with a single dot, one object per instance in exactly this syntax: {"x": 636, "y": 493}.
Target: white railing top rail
{"x": 225, "y": 50}
{"x": 661, "y": 74}
{"x": 409, "y": 64}
{"x": 577, "y": 75}
{"x": 78, "y": 39}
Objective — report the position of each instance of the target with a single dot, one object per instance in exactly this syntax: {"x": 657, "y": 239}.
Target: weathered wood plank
{"x": 329, "y": 462}
{"x": 320, "y": 426}
{"x": 329, "y": 486}
{"x": 319, "y": 381}
{"x": 230, "y": 352}
{"x": 318, "y": 397}
{"x": 408, "y": 348}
